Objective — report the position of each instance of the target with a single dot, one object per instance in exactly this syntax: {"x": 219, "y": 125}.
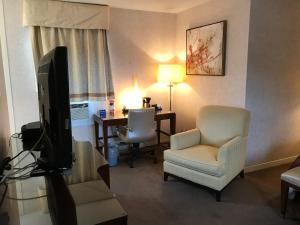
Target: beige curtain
{"x": 89, "y": 65}
{"x": 86, "y": 163}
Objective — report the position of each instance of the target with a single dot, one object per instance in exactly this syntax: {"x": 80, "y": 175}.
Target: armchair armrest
{"x": 185, "y": 139}
{"x": 232, "y": 154}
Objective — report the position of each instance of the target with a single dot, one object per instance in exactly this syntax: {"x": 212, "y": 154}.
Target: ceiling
{"x": 168, "y": 6}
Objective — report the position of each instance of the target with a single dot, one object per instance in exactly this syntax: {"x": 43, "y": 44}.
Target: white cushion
{"x": 292, "y": 176}
{"x": 216, "y": 183}
{"x": 202, "y": 158}
{"x": 219, "y": 124}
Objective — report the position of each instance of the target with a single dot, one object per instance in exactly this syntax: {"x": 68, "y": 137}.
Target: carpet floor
{"x": 148, "y": 200}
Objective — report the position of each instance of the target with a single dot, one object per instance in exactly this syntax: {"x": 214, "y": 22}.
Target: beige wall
{"x": 225, "y": 90}
{"x": 273, "y": 86}
{"x": 21, "y": 66}
{"x": 9, "y": 206}
{"x": 138, "y": 41}
{"x": 4, "y": 119}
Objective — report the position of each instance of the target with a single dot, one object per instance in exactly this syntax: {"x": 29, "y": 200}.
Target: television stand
{"x": 97, "y": 206}
{"x": 73, "y": 204}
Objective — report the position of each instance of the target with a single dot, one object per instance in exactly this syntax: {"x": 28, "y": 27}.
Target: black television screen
{"x": 54, "y": 107}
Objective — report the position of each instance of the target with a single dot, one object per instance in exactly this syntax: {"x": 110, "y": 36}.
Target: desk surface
{"x": 119, "y": 115}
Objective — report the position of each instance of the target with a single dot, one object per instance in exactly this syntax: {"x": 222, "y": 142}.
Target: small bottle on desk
{"x": 111, "y": 107}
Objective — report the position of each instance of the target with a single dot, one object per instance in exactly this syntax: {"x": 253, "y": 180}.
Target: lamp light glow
{"x": 132, "y": 97}
{"x": 170, "y": 73}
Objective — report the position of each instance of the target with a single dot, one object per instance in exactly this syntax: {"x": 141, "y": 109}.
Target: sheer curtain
{"x": 89, "y": 65}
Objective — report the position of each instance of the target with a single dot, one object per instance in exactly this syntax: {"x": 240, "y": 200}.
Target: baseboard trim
{"x": 249, "y": 169}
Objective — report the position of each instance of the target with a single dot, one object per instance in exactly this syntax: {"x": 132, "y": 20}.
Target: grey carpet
{"x": 149, "y": 200}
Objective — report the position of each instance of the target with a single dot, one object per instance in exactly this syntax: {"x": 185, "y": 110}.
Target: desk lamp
{"x": 170, "y": 74}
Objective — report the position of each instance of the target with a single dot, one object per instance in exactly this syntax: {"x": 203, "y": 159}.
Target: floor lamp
{"x": 170, "y": 74}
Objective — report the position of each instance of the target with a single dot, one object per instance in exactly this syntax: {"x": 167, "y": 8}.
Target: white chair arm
{"x": 232, "y": 154}
{"x": 185, "y": 139}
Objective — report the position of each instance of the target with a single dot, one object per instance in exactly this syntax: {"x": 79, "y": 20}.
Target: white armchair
{"x": 213, "y": 153}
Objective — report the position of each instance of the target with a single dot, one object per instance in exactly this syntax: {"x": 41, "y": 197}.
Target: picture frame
{"x": 206, "y": 49}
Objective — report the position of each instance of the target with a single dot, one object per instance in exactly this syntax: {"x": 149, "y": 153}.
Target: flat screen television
{"x": 54, "y": 110}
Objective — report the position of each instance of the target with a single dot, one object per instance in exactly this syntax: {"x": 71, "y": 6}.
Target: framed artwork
{"x": 206, "y": 50}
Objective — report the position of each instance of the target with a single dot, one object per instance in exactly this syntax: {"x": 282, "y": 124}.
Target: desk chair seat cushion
{"x": 292, "y": 176}
{"x": 201, "y": 158}
{"x": 128, "y": 136}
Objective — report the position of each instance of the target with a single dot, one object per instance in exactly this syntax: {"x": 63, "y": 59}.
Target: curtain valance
{"x": 49, "y": 13}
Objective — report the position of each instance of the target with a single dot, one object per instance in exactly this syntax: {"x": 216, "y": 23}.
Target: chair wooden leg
{"x": 242, "y": 174}
{"x": 284, "y": 196}
{"x": 166, "y": 175}
{"x": 218, "y": 196}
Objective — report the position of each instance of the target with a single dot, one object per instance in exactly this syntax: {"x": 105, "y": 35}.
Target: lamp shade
{"x": 170, "y": 73}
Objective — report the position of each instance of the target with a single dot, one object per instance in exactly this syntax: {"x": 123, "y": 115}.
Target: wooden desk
{"x": 120, "y": 119}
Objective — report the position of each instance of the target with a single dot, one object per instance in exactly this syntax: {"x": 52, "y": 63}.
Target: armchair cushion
{"x": 201, "y": 158}
{"x": 219, "y": 124}
{"x": 185, "y": 139}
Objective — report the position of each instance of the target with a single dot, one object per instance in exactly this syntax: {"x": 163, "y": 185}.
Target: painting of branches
{"x": 205, "y": 50}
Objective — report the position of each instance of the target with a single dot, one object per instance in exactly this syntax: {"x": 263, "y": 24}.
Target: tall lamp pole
{"x": 170, "y": 74}
{"x": 170, "y": 97}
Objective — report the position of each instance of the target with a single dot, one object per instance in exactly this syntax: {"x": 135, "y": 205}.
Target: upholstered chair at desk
{"x": 140, "y": 128}
{"x": 212, "y": 154}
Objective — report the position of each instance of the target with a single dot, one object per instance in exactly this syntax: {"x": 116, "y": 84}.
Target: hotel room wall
{"x": 222, "y": 90}
{"x": 23, "y": 82}
{"x": 22, "y": 73}
{"x": 138, "y": 42}
{"x": 4, "y": 118}
{"x": 9, "y": 206}
{"x": 273, "y": 86}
